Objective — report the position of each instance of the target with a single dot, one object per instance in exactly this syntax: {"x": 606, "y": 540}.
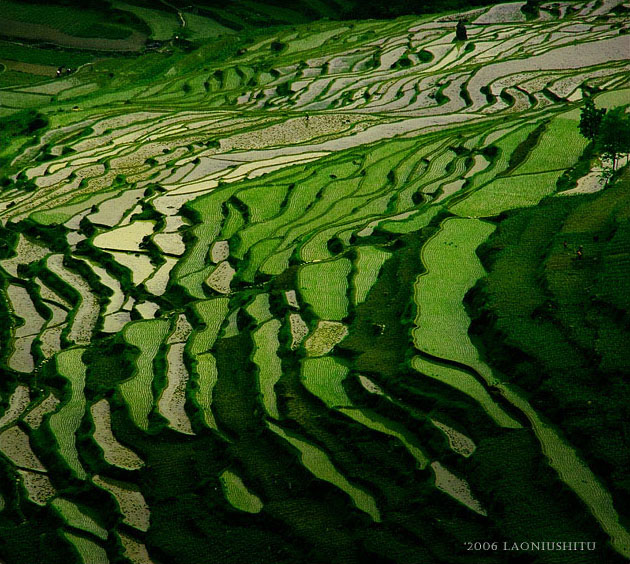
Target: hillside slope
{"x": 234, "y": 273}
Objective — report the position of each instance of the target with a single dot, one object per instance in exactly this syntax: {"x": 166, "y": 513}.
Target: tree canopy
{"x": 613, "y": 138}
{"x": 590, "y": 119}
{"x": 460, "y": 31}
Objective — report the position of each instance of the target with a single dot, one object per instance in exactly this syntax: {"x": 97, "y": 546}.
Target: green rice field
{"x": 318, "y": 282}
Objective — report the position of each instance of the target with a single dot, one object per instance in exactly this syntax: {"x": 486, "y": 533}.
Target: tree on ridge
{"x": 591, "y": 119}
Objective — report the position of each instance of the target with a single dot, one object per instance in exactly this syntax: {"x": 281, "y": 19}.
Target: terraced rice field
{"x": 233, "y": 294}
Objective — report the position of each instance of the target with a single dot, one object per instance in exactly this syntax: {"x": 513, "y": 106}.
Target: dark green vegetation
{"x": 71, "y": 34}
{"x": 610, "y": 131}
{"x": 100, "y": 20}
{"x": 236, "y": 241}
{"x": 555, "y": 318}
{"x": 613, "y": 138}
{"x": 591, "y": 119}
{"x": 254, "y": 13}
{"x": 26, "y": 123}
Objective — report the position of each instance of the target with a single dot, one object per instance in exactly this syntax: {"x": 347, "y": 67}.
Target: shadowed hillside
{"x": 322, "y": 291}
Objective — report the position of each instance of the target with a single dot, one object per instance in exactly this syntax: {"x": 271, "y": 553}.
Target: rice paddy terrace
{"x": 232, "y": 292}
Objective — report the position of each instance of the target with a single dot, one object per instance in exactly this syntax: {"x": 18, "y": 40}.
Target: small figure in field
{"x": 580, "y": 253}
{"x": 565, "y": 244}
{"x": 460, "y": 31}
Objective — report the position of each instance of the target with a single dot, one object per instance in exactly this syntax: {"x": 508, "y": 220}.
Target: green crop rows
{"x": 278, "y": 288}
